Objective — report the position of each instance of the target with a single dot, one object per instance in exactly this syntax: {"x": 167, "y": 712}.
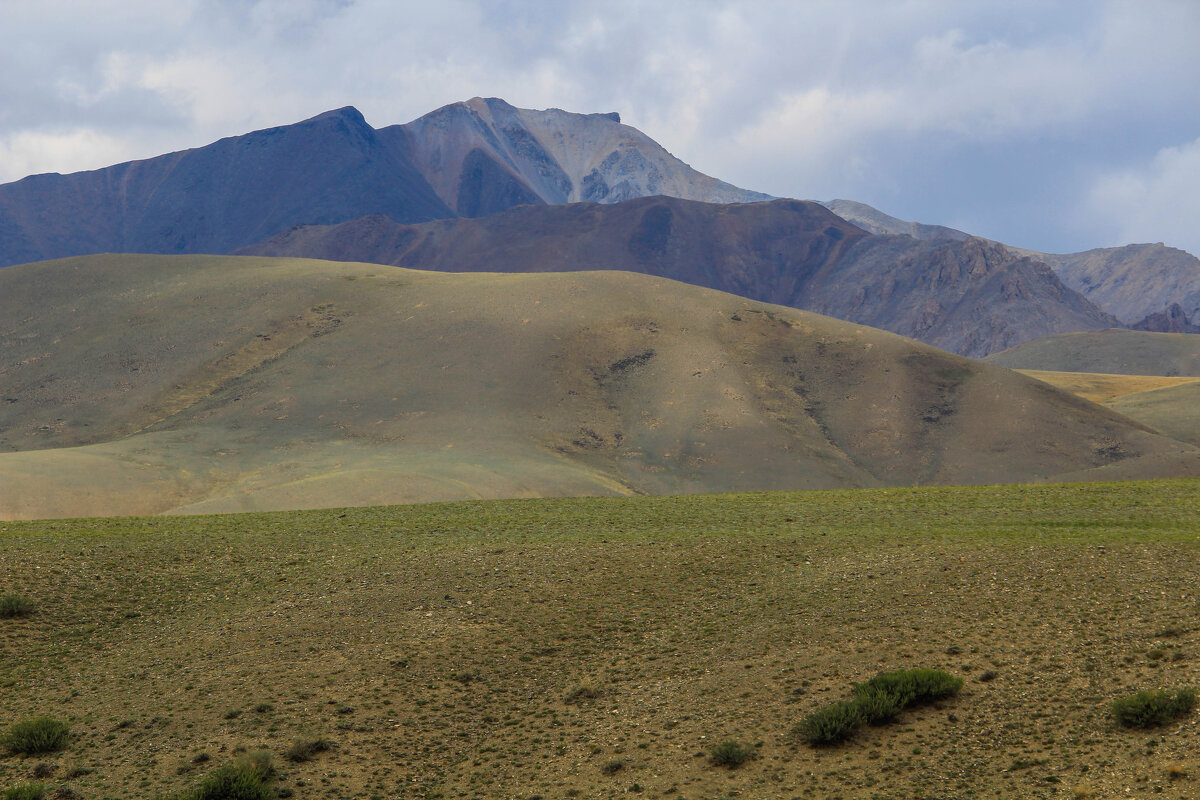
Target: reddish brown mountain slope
{"x": 971, "y": 297}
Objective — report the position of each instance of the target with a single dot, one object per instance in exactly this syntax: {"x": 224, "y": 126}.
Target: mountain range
{"x": 1148, "y": 287}
{"x": 495, "y": 302}
{"x": 972, "y": 297}
{"x": 480, "y": 158}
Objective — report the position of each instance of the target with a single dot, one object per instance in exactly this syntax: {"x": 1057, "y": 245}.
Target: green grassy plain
{"x": 599, "y": 647}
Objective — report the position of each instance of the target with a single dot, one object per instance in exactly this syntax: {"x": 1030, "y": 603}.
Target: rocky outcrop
{"x": 1172, "y": 320}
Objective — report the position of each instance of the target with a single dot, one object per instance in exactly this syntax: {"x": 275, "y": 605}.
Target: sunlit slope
{"x": 1103, "y": 388}
{"x": 149, "y": 384}
{"x": 1170, "y": 406}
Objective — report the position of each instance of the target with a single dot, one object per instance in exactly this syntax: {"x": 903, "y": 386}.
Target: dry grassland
{"x": 598, "y": 648}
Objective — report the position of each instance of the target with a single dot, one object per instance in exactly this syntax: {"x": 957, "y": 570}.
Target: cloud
{"x": 1157, "y": 202}
{"x": 26, "y": 152}
{"x": 890, "y": 103}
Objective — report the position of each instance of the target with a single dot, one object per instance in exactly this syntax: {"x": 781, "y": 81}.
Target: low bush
{"x": 25, "y": 791}
{"x": 251, "y": 777}
{"x": 730, "y": 753}
{"x": 14, "y": 605}
{"x": 912, "y": 687}
{"x": 878, "y": 705}
{"x": 37, "y": 735}
{"x": 305, "y": 749}
{"x": 877, "y": 701}
{"x": 1149, "y": 709}
{"x": 832, "y": 724}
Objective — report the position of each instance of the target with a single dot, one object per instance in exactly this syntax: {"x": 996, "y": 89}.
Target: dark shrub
{"x": 248, "y": 778}
{"x": 305, "y": 749}
{"x": 730, "y": 753}
{"x": 912, "y": 687}
{"x": 24, "y": 791}
{"x": 832, "y": 724}
{"x": 1147, "y": 709}
{"x": 13, "y": 605}
{"x": 878, "y": 706}
{"x": 37, "y": 735}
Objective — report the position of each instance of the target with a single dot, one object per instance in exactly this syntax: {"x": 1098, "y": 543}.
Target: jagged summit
{"x": 348, "y": 113}
{"x": 484, "y": 155}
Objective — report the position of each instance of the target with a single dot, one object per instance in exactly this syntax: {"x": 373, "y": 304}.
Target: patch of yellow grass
{"x": 1104, "y": 388}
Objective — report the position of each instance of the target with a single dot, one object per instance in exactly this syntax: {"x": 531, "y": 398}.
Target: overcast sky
{"x": 1058, "y": 126}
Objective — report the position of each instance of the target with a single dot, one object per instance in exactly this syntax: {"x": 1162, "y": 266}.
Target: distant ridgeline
{"x": 334, "y": 187}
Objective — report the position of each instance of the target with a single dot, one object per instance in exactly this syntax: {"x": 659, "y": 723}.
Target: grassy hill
{"x": 1170, "y": 406}
{"x": 1115, "y": 351}
{"x": 151, "y": 384}
{"x": 601, "y": 647}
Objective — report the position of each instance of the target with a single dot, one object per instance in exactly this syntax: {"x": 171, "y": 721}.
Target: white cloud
{"x": 816, "y": 99}
{"x": 25, "y": 152}
{"x": 1159, "y": 202}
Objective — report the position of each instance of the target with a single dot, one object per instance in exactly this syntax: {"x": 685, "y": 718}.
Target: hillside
{"x": 217, "y": 198}
{"x": 1118, "y": 352}
{"x": 585, "y": 647}
{"x": 875, "y": 221}
{"x": 1135, "y": 281}
{"x": 149, "y": 384}
{"x": 1146, "y": 286}
{"x": 970, "y": 297}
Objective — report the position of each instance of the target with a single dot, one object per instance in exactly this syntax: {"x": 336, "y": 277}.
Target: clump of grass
{"x": 878, "y": 705}
{"x": 586, "y": 690}
{"x": 832, "y": 724}
{"x": 14, "y": 605}
{"x": 1149, "y": 709}
{"x": 25, "y": 791}
{"x": 730, "y": 753}
{"x": 612, "y": 767}
{"x": 251, "y": 777}
{"x": 37, "y": 735}
{"x": 305, "y": 749}
{"x": 877, "y": 701}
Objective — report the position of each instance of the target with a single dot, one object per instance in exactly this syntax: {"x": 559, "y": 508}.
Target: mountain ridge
{"x": 970, "y": 297}
{"x": 335, "y": 167}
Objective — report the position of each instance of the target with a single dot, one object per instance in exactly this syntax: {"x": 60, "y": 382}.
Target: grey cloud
{"x": 999, "y": 117}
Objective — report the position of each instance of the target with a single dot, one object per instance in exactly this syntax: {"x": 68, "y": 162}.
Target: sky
{"x": 1057, "y": 126}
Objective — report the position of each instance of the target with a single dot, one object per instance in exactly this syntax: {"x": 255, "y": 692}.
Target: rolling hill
{"x": 971, "y": 297}
{"x": 1117, "y": 352}
{"x": 150, "y": 384}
